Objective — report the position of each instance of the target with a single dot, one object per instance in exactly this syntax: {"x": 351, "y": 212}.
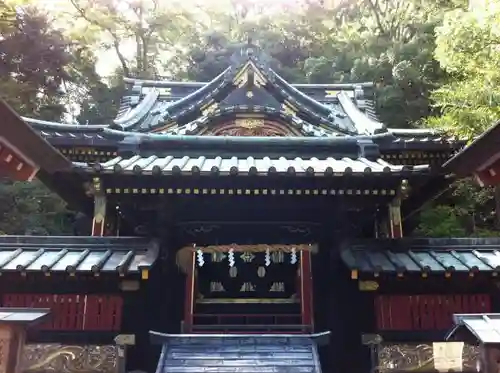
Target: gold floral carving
{"x": 49, "y": 357}
{"x": 249, "y": 123}
{"x": 253, "y": 127}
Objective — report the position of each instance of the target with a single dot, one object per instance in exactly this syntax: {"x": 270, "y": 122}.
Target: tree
{"x": 468, "y": 49}
{"x": 157, "y": 30}
{"x": 32, "y": 62}
{"x": 33, "y": 68}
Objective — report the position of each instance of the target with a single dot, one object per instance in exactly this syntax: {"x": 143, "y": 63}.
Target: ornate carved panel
{"x": 5, "y": 335}
{"x": 423, "y": 357}
{"x": 57, "y": 358}
{"x": 252, "y": 127}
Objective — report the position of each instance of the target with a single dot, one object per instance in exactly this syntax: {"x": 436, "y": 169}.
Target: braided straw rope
{"x": 184, "y": 255}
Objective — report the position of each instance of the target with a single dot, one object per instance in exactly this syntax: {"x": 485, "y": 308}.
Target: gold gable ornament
{"x": 249, "y": 123}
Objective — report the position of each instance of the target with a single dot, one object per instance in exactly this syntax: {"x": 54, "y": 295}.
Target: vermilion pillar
{"x": 189, "y": 295}
{"x": 306, "y": 289}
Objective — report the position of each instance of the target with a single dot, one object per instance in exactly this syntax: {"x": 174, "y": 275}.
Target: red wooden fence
{"x": 425, "y": 312}
{"x": 73, "y": 312}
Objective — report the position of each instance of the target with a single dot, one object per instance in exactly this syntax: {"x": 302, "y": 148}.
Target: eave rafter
{"x": 14, "y": 165}
{"x": 22, "y": 151}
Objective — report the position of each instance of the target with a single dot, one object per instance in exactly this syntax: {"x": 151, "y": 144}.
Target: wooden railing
{"x": 248, "y": 323}
{"x": 73, "y": 312}
{"x": 426, "y": 312}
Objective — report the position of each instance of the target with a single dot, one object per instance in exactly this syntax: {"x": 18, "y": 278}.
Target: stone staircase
{"x": 239, "y": 353}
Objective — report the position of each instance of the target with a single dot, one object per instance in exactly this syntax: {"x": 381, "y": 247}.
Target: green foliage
{"x": 440, "y": 221}
{"x": 32, "y": 62}
{"x": 467, "y": 47}
{"x": 30, "y": 208}
{"x": 466, "y": 210}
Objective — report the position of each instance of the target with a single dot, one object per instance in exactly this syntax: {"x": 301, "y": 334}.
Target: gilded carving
{"x": 57, "y": 358}
{"x": 249, "y": 123}
{"x": 420, "y": 357}
{"x": 288, "y": 109}
{"x": 368, "y": 285}
{"x": 5, "y": 335}
{"x": 210, "y": 109}
{"x": 242, "y": 131}
{"x": 253, "y": 127}
{"x": 249, "y": 73}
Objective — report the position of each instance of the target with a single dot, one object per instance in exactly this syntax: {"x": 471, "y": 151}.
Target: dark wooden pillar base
{"x": 395, "y": 224}
{"x": 306, "y": 289}
{"x": 99, "y": 220}
{"x": 189, "y": 296}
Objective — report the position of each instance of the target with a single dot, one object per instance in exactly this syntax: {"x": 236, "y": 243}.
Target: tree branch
{"x": 114, "y": 35}
{"x": 376, "y": 14}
